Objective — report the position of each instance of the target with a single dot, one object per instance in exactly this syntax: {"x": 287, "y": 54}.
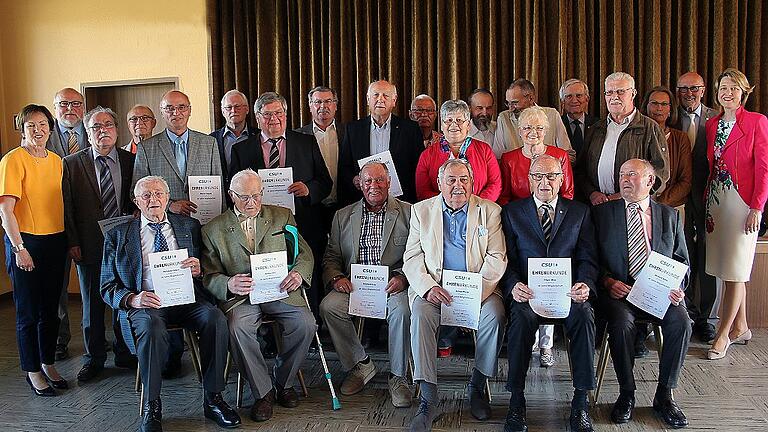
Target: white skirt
{"x": 730, "y": 251}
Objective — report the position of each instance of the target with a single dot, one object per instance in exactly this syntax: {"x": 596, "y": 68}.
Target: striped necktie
{"x": 546, "y": 221}
{"x": 638, "y": 251}
{"x": 72, "y": 142}
{"x": 160, "y": 244}
{"x": 274, "y": 153}
{"x": 108, "y": 197}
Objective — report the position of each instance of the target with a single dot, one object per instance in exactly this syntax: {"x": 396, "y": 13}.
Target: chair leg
{"x": 602, "y": 363}
{"x": 226, "y": 366}
{"x": 239, "y": 391}
{"x": 359, "y": 328}
{"x": 141, "y": 402}
{"x": 194, "y": 351}
{"x": 300, "y": 376}
{"x": 137, "y": 384}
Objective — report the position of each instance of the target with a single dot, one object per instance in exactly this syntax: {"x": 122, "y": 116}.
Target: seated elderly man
{"x": 126, "y": 285}
{"x": 459, "y": 231}
{"x": 228, "y": 242}
{"x": 546, "y": 225}
{"x": 372, "y": 231}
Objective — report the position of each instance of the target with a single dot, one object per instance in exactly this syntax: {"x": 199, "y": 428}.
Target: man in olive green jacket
{"x": 228, "y": 242}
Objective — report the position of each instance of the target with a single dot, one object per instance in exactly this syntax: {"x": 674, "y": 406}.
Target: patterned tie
{"x": 180, "y": 151}
{"x": 108, "y": 196}
{"x": 638, "y": 251}
{"x": 692, "y": 129}
{"x": 72, "y": 141}
{"x": 578, "y": 137}
{"x": 546, "y": 221}
{"x": 160, "y": 244}
{"x": 274, "y": 153}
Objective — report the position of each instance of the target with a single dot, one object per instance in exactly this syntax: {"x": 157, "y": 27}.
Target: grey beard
{"x": 481, "y": 124}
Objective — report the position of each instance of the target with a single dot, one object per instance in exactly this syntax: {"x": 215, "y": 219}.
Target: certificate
{"x": 205, "y": 192}
{"x": 385, "y": 157}
{"x": 656, "y": 279}
{"x": 275, "y": 182}
{"x": 369, "y": 296}
{"x": 466, "y": 289}
{"x": 172, "y": 283}
{"x": 107, "y": 224}
{"x": 550, "y": 281}
{"x": 267, "y": 271}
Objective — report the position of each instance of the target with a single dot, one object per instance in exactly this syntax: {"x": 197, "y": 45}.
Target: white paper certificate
{"x": 385, "y": 157}
{"x": 550, "y": 281}
{"x": 369, "y": 296}
{"x": 656, "y": 279}
{"x": 172, "y": 283}
{"x": 205, "y": 191}
{"x": 275, "y": 182}
{"x": 108, "y": 224}
{"x": 267, "y": 271}
{"x": 466, "y": 289}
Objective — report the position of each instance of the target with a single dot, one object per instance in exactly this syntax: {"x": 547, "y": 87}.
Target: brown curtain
{"x": 447, "y": 48}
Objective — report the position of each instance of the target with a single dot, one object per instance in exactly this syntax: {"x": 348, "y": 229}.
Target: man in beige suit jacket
{"x": 228, "y": 241}
{"x": 454, "y": 231}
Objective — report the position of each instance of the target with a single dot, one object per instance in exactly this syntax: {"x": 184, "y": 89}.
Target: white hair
{"x": 620, "y": 76}
{"x": 232, "y": 93}
{"x": 149, "y": 179}
{"x": 241, "y": 176}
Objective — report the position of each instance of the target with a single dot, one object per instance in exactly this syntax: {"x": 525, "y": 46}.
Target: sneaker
{"x": 358, "y": 377}
{"x": 546, "y": 360}
{"x": 400, "y": 392}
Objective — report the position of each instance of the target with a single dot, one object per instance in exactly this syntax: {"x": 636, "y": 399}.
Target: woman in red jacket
{"x": 737, "y": 150}
{"x": 454, "y": 121}
{"x": 532, "y": 126}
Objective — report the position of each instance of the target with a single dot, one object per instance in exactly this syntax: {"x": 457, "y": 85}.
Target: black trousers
{"x": 702, "y": 292}
{"x": 620, "y": 316}
{"x": 150, "y": 326}
{"x": 521, "y": 334}
{"x": 36, "y": 295}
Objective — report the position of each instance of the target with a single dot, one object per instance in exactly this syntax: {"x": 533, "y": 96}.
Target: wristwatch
{"x": 18, "y": 248}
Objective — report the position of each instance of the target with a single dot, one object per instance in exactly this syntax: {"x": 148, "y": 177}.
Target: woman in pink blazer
{"x": 737, "y": 150}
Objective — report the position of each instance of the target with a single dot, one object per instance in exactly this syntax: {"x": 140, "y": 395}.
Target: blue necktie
{"x": 160, "y": 244}
{"x": 181, "y": 156}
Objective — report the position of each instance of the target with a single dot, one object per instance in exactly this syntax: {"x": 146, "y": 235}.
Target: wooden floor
{"x": 729, "y": 395}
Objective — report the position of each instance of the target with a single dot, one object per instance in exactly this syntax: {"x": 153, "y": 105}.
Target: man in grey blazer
{"x": 372, "y": 231}
{"x": 96, "y": 185}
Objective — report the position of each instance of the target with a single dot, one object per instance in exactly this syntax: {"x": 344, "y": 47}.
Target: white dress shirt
{"x": 328, "y": 141}
{"x": 148, "y": 247}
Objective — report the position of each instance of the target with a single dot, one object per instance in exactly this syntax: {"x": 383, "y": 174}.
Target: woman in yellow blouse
{"x": 32, "y": 213}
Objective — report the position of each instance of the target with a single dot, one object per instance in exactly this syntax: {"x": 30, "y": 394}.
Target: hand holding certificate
{"x": 276, "y": 182}
{"x": 369, "y": 291}
{"x": 658, "y": 277}
{"x": 172, "y": 283}
{"x": 205, "y": 192}
{"x": 466, "y": 289}
{"x": 267, "y": 271}
{"x": 550, "y": 281}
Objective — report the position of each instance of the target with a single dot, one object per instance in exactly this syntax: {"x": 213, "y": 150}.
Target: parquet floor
{"x": 729, "y": 395}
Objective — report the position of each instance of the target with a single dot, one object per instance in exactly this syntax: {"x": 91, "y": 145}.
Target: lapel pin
{"x": 231, "y": 229}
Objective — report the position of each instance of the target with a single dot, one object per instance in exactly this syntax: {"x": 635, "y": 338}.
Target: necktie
{"x": 274, "y": 154}
{"x": 638, "y": 252}
{"x": 180, "y": 151}
{"x": 160, "y": 244}
{"x": 72, "y": 141}
{"x": 692, "y": 129}
{"x": 578, "y": 136}
{"x": 108, "y": 197}
{"x": 546, "y": 221}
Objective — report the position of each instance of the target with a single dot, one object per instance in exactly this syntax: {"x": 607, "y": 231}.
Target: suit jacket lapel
{"x": 194, "y": 156}
{"x": 656, "y": 226}
{"x": 166, "y": 146}
{"x": 437, "y": 228}
{"x": 620, "y": 220}
{"x": 560, "y": 211}
{"x": 363, "y": 148}
{"x": 736, "y": 132}
{"x": 532, "y": 213}
{"x": 389, "y": 223}
{"x": 133, "y": 244}
{"x": 236, "y": 233}
{"x": 356, "y": 221}
{"x": 474, "y": 220}
{"x": 394, "y": 134}
{"x": 90, "y": 171}
{"x": 182, "y": 234}
{"x": 260, "y": 224}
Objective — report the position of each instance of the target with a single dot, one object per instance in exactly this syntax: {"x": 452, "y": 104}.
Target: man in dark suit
{"x": 692, "y": 118}
{"x": 628, "y": 229}
{"x": 548, "y": 226}
{"x": 96, "y": 185}
{"x": 574, "y": 99}
{"x": 276, "y": 147}
{"x": 127, "y": 286}
{"x": 235, "y": 109}
{"x": 374, "y": 134}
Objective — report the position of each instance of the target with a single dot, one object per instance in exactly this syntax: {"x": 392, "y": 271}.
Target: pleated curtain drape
{"x": 447, "y": 48}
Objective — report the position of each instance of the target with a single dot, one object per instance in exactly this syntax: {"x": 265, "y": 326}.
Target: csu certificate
{"x": 205, "y": 191}
{"x": 275, "y": 182}
{"x": 107, "y": 224}
{"x": 466, "y": 289}
{"x": 658, "y": 277}
{"x": 385, "y": 157}
{"x": 172, "y": 283}
{"x": 550, "y": 281}
{"x": 369, "y": 296}
{"x": 267, "y": 271}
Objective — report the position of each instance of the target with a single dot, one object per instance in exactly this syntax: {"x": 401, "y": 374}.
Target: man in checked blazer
{"x": 90, "y": 196}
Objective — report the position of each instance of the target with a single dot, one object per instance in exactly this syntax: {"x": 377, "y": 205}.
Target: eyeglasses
{"x": 67, "y": 104}
{"x": 146, "y": 196}
{"x": 458, "y": 122}
{"x": 230, "y": 108}
{"x": 270, "y": 114}
{"x": 619, "y": 92}
{"x": 527, "y": 128}
{"x": 691, "y": 89}
{"x": 423, "y": 111}
{"x": 378, "y": 180}
{"x": 660, "y": 104}
{"x": 169, "y": 109}
{"x": 246, "y": 198}
{"x": 318, "y": 102}
{"x": 572, "y": 96}
{"x": 549, "y": 176}
{"x": 140, "y": 119}
{"x": 98, "y": 126}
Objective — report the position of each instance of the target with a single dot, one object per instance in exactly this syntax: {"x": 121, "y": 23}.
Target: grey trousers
{"x": 335, "y": 312}
{"x": 297, "y": 327}
{"x": 425, "y": 320}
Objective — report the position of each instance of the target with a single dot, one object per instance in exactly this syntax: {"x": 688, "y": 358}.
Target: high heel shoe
{"x": 743, "y": 338}
{"x": 713, "y": 354}
{"x": 57, "y": 384}
{"x": 46, "y": 392}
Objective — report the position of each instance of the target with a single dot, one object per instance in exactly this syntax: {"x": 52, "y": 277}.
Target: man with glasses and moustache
{"x": 424, "y": 112}
{"x": 141, "y": 123}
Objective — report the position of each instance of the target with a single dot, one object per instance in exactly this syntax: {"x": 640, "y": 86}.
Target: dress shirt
{"x": 266, "y": 147}
{"x": 380, "y": 136}
{"x": 114, "y": 168}
{"x": 328, "y": 142}
{"x": 581, "y": 120}
{"x": 455, "y": 238}
{"x": 608, "y": 156}
{"x": 371, "y": 228}
{"x": 230, "y": 140}
{"x": 485, "y": 136}
{"x": 173, "y": 137}
{"x": 645, "y": 215}
{"x": 552, "y": 204}
{"x": 148, "y": 247}
{"x": 65, "y": 131}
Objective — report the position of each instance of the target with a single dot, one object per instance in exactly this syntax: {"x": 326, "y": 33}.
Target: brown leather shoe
{"x": 262, "y": 409}
{"x": 288, "y": 397}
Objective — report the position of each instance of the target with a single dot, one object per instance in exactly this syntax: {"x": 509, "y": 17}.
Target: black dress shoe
{"x": 62, "y": 352}
{"x": 622, "y": 409}
{"x": 46, "y": 392}
{"x": 217, "y": 410}
{"x": 705, "y": 331}
{"x": 262, "y": 409}
{"x": 89, "y": 372}
{"x": 287, "y": 397}
{"x": 60, "y": 384}
{"x": 515, "y": 421}
{"x": 670, "y": 412}
{"x": 127, "y": 362}
{"x": 580, "y": 421}
{"x": 153, "y": 416}
{"x": 172, "y": 369}
{"x": 478, "y": 405}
